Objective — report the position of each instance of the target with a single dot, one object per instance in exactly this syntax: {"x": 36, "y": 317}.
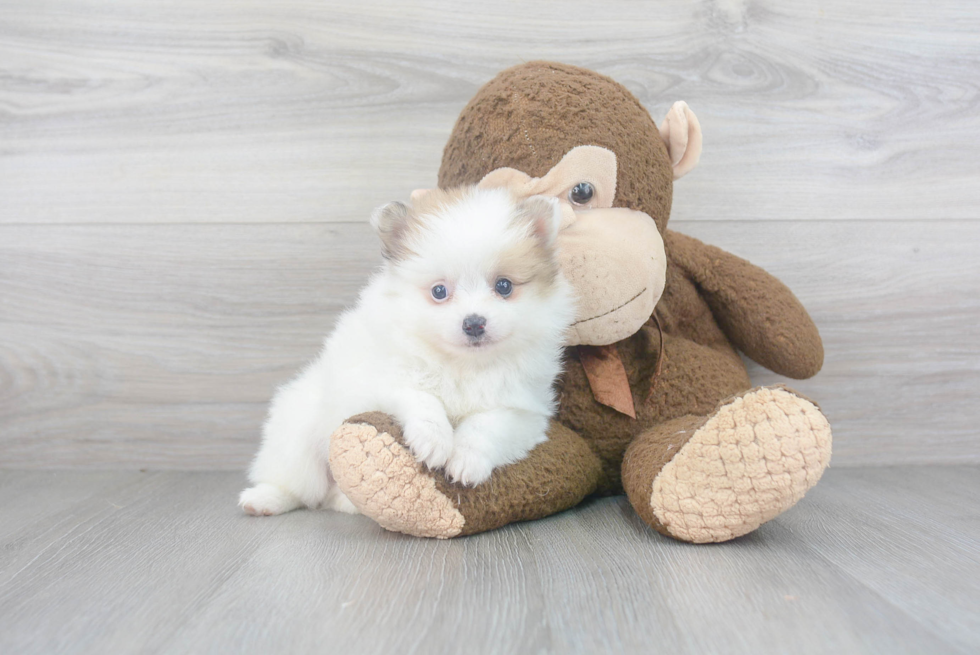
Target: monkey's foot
{"x": 749, "y": 461}
{"x": 382, "y": 479}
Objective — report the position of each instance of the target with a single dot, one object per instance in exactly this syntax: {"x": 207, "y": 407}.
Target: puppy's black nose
{"x": 474, "y": 325}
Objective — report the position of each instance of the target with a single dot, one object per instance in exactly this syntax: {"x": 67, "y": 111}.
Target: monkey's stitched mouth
{"x": 614, "y": 309}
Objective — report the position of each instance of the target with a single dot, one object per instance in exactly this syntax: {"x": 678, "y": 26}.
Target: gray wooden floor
{"x": 873, "y": 560}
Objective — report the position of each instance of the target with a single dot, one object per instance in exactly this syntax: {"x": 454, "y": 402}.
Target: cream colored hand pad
{"x": 383, "y": 480}
{"x": 753, "y": 459}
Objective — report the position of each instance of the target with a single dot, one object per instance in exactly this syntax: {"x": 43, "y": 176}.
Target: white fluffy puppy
{"x": 458, "y": 336}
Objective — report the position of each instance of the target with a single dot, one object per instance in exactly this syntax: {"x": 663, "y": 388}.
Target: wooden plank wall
{"x": 184, "y": 188}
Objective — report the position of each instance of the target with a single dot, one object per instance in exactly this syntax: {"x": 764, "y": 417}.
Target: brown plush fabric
{"x": 756, "y": 311}
{"x": 528, "y": 118}
{"x": 694, "y": 378}
{"x": 646, "y": 457}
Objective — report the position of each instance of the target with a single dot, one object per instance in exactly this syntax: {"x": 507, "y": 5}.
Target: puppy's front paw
{"x": 267, "y": 500}
{"x": 468, "y": 466}
{"x": 431, "y": 440}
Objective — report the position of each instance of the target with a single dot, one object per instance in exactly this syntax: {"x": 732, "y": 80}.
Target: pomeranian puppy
{"x": 458, "y": 336}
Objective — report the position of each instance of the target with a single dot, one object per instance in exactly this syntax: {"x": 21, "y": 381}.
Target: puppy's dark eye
{"x": 439, "y": 292}
{"x": 581, "y": 193}
{"x": 504, "y": 287}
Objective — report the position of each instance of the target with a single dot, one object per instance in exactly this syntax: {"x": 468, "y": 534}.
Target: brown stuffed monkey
{"x": 655, "y": 400}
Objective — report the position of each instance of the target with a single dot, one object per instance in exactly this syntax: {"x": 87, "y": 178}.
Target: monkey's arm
{"x": 757, "y": 312}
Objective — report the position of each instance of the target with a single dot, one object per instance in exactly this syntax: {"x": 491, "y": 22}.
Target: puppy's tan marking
{"x": 532, "y": 260}
{"x": 398, "y": 224}
{"x": 528, "y": 263}
{"x": 434, "y": 201}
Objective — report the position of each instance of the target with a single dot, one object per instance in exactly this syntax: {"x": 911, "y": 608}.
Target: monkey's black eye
{"x": 504, "y": 287}
{"x": 439, "y": 292}
{"x": 581, "y": 193}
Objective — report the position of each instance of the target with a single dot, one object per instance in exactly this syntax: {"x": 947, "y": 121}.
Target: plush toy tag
{"x": 607, "y": 377}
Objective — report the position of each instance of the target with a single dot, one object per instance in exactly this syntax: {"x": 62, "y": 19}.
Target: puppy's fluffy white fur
{"x": 467, "y": 404}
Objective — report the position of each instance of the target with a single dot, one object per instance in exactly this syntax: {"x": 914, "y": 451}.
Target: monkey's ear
{"x": 681, "y": 132}
{"x": 389, "y": 222}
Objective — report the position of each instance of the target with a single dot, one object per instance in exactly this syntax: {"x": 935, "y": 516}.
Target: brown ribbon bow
{"x": 607, "y": 375}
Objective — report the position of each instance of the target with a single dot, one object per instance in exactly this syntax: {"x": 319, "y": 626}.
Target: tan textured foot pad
{"x": 383, "y": 480}
{"x": 753, "y": 459}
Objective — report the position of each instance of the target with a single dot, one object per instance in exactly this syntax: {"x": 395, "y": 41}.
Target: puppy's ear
{"x": 389, "y": 222}
{"x": 543, "y": 213}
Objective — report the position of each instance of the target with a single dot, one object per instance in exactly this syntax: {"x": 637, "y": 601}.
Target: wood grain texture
{"x": 160, "y": 345}
{"x": 223, "y": 110}
{"x": 873, "y": 560}
{"x": 183, "y": 187}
